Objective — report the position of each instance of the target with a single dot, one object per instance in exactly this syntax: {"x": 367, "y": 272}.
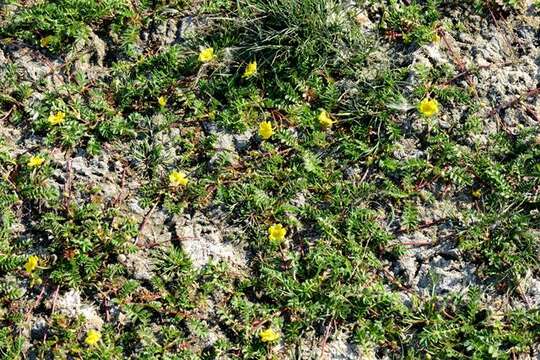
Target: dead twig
{"x": 8, "y": 113}
{"x": 119, "y": 196}
{"x": 144, "y": 223}
{"x": 55, "y": 295}
{"x": 468, "y": 72}
{"x": 421, "y": 226}
{"x": 416, "y": 243}
{"x": 458, "y": 60}
{"x": 529, "y": 93}
{"x": 326, "y": 336}
{"x": 67, "y": 185}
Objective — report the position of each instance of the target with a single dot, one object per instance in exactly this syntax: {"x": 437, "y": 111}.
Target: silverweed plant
{"x": 267, "y": 179}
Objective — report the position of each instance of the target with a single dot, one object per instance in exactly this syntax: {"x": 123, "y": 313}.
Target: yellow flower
{"x": 428, "y": 107}
{"x": 269, "y": 335}
{"x": 251, "y": 69}
{"x": 324, "y": 120}
{"x": 31, "y": 263}
{"x": 276, "y": 232}
{"x": 35, "y": 161}
{"x": 45, "y": 40}
{"x": 177, "y": 178}
{"x": 58, "y": 118}
{"x": 162, "y": 101}
{"x": 92, "y": 337}
{"x": 206, "y": 55}
{"x": 265, "y": 129}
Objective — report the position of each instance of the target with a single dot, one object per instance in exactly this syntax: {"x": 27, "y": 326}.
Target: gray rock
{"x": 35, "y": 67}
{"x": 363, "y": 20}
{"x": 166, "y": 32}
{"x": 225, "y": 149}
{"x": 39, "y": 328}
{"x": 135, "y": 208}
{"x": 225, "y": 142}
{"x": 3, "y": 62}
{"x": 210, "y": 127}
{"x": 71, "y": 305}
{"x": 435, "y": 54}
{"x": 337, "y": 348}
{"x": 407, "y": 265}
{"x": 80, "y": 166}
{"x": 352, "y": 172}
{"x": 299, "y": 200}
{"x": 446, "y": 276}
{"x": 138, "y": 265}
{"x": 407, "y": 149}
{"x": 342, "y": 350}
{"x": 242, "y": 141}
{"x": 203, "y": 241}
{"x": 529, "y": 289}
{"x": 534, "y": 292}
{"x": 190, "y": 26}
{"x": 156, "y": 229}
{"x": 34, "y": 70}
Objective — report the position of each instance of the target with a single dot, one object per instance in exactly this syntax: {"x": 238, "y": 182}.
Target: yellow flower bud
{"x": 206, "y": 55}
{"x": 269, "y": 335}
{"x": 31, "y": 263}
{"x": 428, "y": 107}
{"x": 56, "y": 119}
{"x": 265, "y": 129}
{"x": 177, "y": 178}
{"x": 324, "y": 120}
{"x": 92, "y": 337}
{"x": 251, "y": 69}
{"x": 162, "y": 101}
{"x": 277, "y": 232}
{"x": 35, "y": 161}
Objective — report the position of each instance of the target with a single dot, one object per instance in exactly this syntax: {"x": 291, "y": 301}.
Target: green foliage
{"x": 346, "y": 195}
{"x": 413, "y": 22}
{"x": 55, "y": 25}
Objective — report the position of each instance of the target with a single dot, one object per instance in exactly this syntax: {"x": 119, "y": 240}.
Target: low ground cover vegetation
{"x": 270, "y": 179}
